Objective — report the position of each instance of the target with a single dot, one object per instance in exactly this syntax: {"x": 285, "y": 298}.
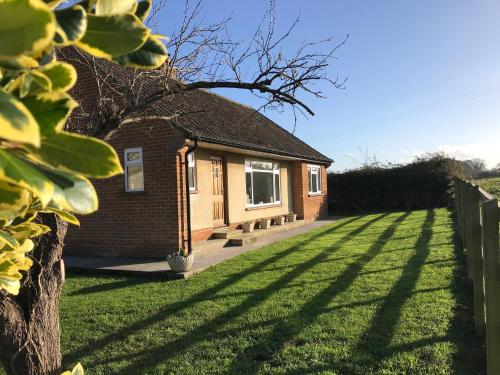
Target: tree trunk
{"x": 29, "y": 322}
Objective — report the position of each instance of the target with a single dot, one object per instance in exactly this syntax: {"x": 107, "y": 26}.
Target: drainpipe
{"x": 188, "y": 193}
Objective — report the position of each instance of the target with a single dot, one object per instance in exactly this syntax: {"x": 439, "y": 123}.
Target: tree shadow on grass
{"x": 209, "y": 329}
{"x": 111, "y": 286}
{"x": 284, "y": 333}
{"x": 175, "y": 308}
{"x": 377, "y": 339}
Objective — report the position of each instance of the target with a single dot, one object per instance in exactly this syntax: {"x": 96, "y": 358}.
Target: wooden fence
{"x": 478, "y": 221}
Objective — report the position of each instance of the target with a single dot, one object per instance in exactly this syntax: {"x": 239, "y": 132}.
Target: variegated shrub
{"x": 42, "y": 167}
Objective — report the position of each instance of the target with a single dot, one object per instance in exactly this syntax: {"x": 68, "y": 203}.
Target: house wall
{"x": 138, "y": 224}
{"x": 294, "y": 191}
{"x": 306, "y": 206}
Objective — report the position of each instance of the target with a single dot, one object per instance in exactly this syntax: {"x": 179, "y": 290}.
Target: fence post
{"x": 475, "y": 249}
{"x": 460, "y": 212}
{"x": 491, "y": 213}
{"x": 468, "y": 207}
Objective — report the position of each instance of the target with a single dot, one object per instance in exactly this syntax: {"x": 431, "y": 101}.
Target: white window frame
{"x": 191, "y": 160}
{"x": 276, "y": 170}
{"x": 314, "y": 171}
{"x": 132, "y": 162}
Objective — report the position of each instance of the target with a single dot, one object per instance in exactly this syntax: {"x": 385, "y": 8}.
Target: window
{"x": 262, "y": 183}
{"x": 191, "y": 172}
{"x": 314, "y": 174}
{"x": 134, "y": 176}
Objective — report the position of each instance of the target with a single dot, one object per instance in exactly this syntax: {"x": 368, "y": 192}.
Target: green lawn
{"x": 491, "y": 185}
{"x": 383, "y": 294}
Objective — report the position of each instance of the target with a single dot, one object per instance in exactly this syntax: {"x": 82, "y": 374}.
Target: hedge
{"x": 422, "y": 184}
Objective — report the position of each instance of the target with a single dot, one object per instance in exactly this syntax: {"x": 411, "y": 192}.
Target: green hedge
{"x": 424, "y": 183}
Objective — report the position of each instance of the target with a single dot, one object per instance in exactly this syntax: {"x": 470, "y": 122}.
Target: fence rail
{"x": 478, "y": 223}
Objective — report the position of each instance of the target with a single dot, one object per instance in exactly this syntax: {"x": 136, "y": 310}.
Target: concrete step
{"x": 210, "y": 244}
{"x": 243, "y": 240}
{"x": 227, "y": 233}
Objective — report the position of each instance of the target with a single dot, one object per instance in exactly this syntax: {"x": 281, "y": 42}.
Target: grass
{"x": 375, "y": 294}
{"x": 491, "y": 185}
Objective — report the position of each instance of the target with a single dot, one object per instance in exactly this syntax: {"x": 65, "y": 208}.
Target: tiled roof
{"x": 215, "y": 119}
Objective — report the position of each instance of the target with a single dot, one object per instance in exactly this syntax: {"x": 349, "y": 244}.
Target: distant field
{"x": 492, "y": 185}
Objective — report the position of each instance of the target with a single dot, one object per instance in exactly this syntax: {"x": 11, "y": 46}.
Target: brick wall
{"x": 306, "y": 206}
{"x": 143, "y": 224}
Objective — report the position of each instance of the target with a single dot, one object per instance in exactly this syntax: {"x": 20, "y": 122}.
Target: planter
{"x": 179, "y": 263}
{"x": 248, "y": 226}
{"x": 264, "y": 223}
{"x": 291, "y": 217}
{"x": 279, "y": 220}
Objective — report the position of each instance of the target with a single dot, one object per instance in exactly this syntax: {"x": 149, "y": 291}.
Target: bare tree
{"x": 202, "y": 56}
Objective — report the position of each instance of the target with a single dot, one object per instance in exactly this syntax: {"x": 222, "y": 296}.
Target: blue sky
{"x": 422, "y": 75}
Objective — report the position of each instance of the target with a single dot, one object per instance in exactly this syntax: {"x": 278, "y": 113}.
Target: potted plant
{"x": 247, "y": 226}
{"x": 279, "y": 220}
{"x": 264, "y": 223}
{"x": 180, "y": 261}
{"x": 291, "y": 217}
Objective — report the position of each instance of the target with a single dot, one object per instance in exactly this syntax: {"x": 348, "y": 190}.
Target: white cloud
{"x": 491, "y": 155}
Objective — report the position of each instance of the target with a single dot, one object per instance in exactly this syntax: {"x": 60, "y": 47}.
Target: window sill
{"x": 263, "y": 207}
{"x": 315, "y": 194}
{"x": 194, "y": 191}
{"x": 134, "y": 192}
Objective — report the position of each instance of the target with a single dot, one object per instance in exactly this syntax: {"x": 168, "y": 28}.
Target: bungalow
{"x": 195, "y": 163}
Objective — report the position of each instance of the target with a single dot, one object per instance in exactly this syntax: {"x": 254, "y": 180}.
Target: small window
{"x": 134, "y": 175}
{"x": 191, "y": 171}
{"x": 262, "y": 183}
{"x": 314, "y": 174}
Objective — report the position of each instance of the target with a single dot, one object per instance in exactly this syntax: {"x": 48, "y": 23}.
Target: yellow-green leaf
{"x": 8, "y": 239}
{"x": 61, "y": 74}
{"x": 73, "y": 193}
{"x": 17, "y": 122}
{"x": 108, "y": 36}
{"x": 64, "y": 215}
{"x": 13, "y": 198}
{"x": 77, "y": 153}
{"x": 25, "y": 26}
{"x": 24, "y": 174}
{"x": 72, "y": 23}
{"x": 110, "y": 7}
{"x": 50, "y": 109}
{"x": 150, "y": 56}
{"x": 143, "y": 8}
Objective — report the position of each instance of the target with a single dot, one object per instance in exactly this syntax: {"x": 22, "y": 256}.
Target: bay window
{"x": 314, "y": 175}
{"x": 134, "y": 175}
{"x": 262, "y": 183}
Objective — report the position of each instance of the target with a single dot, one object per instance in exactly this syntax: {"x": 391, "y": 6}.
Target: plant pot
{"x": 248, "y": 227}
{"x": 264, "y": 223}
{"x": 179, "y": 263}
{"x": 291, "y": 217}
{"x": 279, "y": 220}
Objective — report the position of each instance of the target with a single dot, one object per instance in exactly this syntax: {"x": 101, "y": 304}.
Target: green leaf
{"x": 143, "y": 9}
{"x": 109, "y": 36}
{"x": 73, "y": 23}
{"x": 61, "y": 74}
{"x": 64, "y": 215}
{"x": 110, "y": 7}
{"x": 151, "y": 55}
{"x": 8, "y": 239}
{"x": 50, "y": 109}
{"x": 25, "y": 26}
{"x": 17, "y": 122}
{"x": 41, "y": 82}
{"x": 24, "y": 174}
{"x": 83, "y": 155}
{"x": 72, "y": 193}
{"x": 17, "y": 63}
{"x": 13, "y": 198}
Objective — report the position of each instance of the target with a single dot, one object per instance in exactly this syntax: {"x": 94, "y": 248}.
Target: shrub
{"x": 421, "y": 184}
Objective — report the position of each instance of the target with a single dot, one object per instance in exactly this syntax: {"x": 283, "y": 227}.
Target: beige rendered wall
{"x": 201, "y": 201}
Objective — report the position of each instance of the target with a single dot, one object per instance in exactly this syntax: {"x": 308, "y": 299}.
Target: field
{"x": 491, "y": 185}
{"x": 371, "y": 294}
